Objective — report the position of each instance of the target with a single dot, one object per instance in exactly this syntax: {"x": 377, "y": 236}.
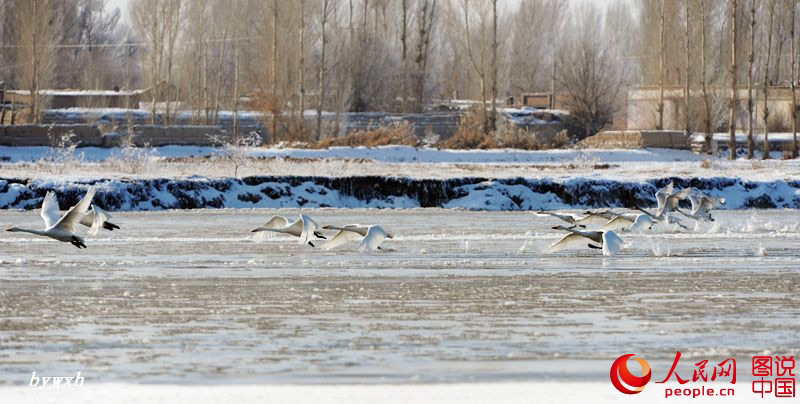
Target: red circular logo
{"x": 626, "y": 382}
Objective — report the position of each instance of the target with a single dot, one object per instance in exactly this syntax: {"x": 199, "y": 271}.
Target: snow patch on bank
{"x": 470, "y": 193}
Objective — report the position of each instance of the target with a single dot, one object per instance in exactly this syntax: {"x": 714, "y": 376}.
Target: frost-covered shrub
{"x": 583, "y": 161}
{"x": 131, "y": 159}
{"x": 61, "y": 157}
{"x": 236, "y": 152}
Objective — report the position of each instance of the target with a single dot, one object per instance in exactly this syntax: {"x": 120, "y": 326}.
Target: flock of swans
{"x": 308, "y": 231}
{"x": 605, "y": 237}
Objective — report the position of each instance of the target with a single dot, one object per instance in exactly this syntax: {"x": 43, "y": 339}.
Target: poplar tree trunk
{"x": 686, "y": 100}
{"x": 792, "y": 81}
{"x": 493, "y": 116}
{"x": 750, "y": 140}
{"x": 732, "y": 118}
{"x": 662, "y": 73}
{"x": 765, "y": 145}
{"x": 709, "y": 134}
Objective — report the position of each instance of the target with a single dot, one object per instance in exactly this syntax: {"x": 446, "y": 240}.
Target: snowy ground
{"x": 186, "y": 161}
{"x": 188, "y": 298}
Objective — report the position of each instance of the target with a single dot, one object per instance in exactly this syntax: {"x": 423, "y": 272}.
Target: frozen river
{"x": 189, "y": 297}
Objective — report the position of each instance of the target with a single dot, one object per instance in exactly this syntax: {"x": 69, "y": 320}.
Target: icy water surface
{"x": 189, "y": 297}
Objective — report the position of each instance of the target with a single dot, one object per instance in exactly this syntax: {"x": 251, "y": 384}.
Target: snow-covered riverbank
{"x": 473, "y": 193}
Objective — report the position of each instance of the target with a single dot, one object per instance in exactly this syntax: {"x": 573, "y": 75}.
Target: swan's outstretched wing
{"x": 343, "y": 236}
{"x": 617, "y": 222}
{"x": 671, "y": 201}
{"x": 696, "y": 200}
{"x": 592, "y": 218}
{"x": 96, "y": 219}
{"x": 309, "y": 226}
{"x": 49, "y": 211}
{"x": 611, "y": 243}
{"x": 265, "y": 232}
{"x": 373, "y": 239}
{"x": 76, "y": 213}
{"x": 569, "y": 241}
{"x": 675, "y": 198}
{"x": 275, "y": 222}
{"x": 642, "y": 222}
{"x": 567, "y": 217}
{"x": 662, "y": 194}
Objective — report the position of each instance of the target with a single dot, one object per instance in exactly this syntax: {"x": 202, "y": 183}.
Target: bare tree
{"x": 275, "y": 106}
{"x": 590, "y": 75}
{"x": 493, "y": 116}
{"x": 404, "y": 52}
{"x": 425, "y": 27}
{"x": 709, "y": 134}
{"x": 732, "y": 120}
{"x": 661, "y": 70}
{"x": 157, "y": 21}
{"x": 96, "y": 27}
{"x": 302, "y": 66}
{"x": 530, "y": 53}
{"x": 765, "y": 145}
{"x": 327, "y": 11}
{"x": 793, "y": 78}
{"x": 750, "y": 62}
{"x": 39, "y": 32}
{"x": 173, "y": 17}
{"x": 478, "y": 64}
{"x": 688, "y": 70}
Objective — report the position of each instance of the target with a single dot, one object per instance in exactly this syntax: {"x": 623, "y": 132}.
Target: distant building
{"x": 62, "y": 99}
{"x": 642, "y": 108}
{"x": 542, "y": 100}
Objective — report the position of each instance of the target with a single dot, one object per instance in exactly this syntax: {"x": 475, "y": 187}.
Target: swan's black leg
{"x": 77, "y": 243}
{"x": 320, "y": 235}
{"x": 595, "y": 247}
{"x": 110, "y": 226}
{"x": 310, "y": 243}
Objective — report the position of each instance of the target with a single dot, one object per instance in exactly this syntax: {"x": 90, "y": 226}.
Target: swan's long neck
{"x": 37, "y": 232}
{"x": 358, "y": 229}
{"x": 571, "y": 230}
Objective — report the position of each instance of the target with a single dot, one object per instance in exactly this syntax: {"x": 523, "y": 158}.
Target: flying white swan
{"x": 668, "y": 199}
{"x": 573, "y": 218}
{"x": 94, "y": 220}
{"x": 371, "y": 236}
{"x": 597, "y": 218}
{"x": 631, "y": 221}
{"x": 702, "y": 205}
{"x": 63, "y": 228}
{"x": 304, "y": 228}
{"x": 609, "y": 242}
